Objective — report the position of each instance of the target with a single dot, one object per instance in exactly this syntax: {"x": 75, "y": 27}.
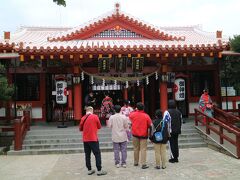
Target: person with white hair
{"x": 89, "y": 126}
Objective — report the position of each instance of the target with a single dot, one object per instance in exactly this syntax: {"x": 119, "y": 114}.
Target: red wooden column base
{"x": 163, "y": 96}
{"x": 77, "y": 101}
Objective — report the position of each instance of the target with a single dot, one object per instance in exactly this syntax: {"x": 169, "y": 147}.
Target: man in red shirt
{"x": 140, "y": 124}
{"x": 89, "y": 126}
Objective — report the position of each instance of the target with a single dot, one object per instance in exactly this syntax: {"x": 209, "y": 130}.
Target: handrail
{"x": 222, "y": 125}
{"x": 21, "y": 126}
{"x": 225, "y": 116}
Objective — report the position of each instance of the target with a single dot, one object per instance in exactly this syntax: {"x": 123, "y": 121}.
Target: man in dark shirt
{"x": 176, "y": 123}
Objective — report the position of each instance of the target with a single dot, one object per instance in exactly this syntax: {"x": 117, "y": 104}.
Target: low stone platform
{"x": 195, "y": 163}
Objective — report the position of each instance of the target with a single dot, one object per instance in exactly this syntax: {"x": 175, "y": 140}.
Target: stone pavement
{"x": 195, "y": 163}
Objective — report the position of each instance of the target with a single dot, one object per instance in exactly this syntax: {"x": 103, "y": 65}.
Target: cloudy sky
{"x": 211, "y": 14}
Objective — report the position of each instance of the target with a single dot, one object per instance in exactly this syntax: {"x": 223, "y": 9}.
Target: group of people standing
{"x": 128, "y": 123}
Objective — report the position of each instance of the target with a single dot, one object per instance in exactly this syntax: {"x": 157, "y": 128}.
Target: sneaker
{"x": 145, "y": 166}
{"x": 164, "y": 167}
{"x": 117, "y": 165}
{"x": 90, "y": 172}
{"x": 157, "y": 167}
{"x": 124, "y": 165}
{"x": 101, "y": 173}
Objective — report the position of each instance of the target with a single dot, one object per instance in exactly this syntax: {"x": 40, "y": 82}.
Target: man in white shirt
{"x": 119, "y": 124}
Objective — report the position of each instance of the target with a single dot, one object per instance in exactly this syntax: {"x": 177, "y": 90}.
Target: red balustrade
{"x": 21, "y": 126}
{"x": 223, "y": 124}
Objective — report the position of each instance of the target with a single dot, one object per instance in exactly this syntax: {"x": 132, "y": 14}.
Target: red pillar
{"x": 77, "y": 101}
{"x": 125, "y": 93}
{"x": 142, "y": 94}
{"x": 77, "y": 96}
{"x": 163, "y": 96}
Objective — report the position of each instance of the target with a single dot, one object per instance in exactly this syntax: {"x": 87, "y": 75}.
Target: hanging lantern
{"x": 147, "y": 80}
{"x": 82, "y": 76}
{"x": 92, "y": 80}
{"x": 156, "y": 75}
{"x": 138, "y": 83}
{"x": 127, "y": 84}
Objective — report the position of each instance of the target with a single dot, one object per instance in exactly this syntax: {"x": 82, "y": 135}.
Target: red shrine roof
{"x": 115, "y": 31}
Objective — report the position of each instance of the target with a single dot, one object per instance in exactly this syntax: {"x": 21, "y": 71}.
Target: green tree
{"x": 235, "y": 43}
{"x": 6, "y": 90}
{"x": 230, "y": 70}
{"x": 60, "y": 2}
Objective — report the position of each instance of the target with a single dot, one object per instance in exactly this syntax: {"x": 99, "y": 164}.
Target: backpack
{"x": 160, "y": 135}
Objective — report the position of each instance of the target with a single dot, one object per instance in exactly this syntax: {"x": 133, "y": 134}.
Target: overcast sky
{"x": 211, "y": 14}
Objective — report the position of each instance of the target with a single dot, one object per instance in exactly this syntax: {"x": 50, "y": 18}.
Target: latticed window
{"x": 27, "y": 87}
{"x": 117, "y": 33}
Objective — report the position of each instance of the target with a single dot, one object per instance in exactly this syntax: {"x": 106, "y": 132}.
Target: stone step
{"x": 76, "y": 131}
{"x": 77, "y": 140}
{"x": 79, "y": 135}
{"x": 80, "y": 144}
{"x": 81, "y": 150}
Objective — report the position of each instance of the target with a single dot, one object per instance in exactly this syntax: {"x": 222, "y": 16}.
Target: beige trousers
{"x": 160, "y": 154}
{"x": 140, "y": 146}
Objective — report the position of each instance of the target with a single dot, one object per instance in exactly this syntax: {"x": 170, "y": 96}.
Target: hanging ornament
{"x": 147, "y": 80}
{"x": 92, "y": 80}
{"x": 156, "y": 75}
{"x": 82, "y": 76}
{"x": 138, "y": 83}
{"x": 126, "y": 84}
{"x": 103, "y": 82}
{"x": 115, "y": 83}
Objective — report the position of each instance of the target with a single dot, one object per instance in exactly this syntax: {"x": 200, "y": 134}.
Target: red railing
{"x": 199, "y": 116}
{"x": 21, "y": 126}
{"x": 226, "y": 117}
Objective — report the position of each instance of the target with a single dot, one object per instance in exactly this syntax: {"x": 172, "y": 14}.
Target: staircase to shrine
{"x": 53, "y": 140}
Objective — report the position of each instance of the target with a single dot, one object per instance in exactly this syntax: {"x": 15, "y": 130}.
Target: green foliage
{"x": 230, "y": 72}
{"x": 235, "y": 43}
{"x": 6, "y": 90}
{"x": 60, "y": 2}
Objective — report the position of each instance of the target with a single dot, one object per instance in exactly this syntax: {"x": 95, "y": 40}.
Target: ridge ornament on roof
{"x": 109, "y": 22}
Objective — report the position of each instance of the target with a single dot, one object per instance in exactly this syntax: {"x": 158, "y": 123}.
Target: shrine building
{"x": 116, "y": 54}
